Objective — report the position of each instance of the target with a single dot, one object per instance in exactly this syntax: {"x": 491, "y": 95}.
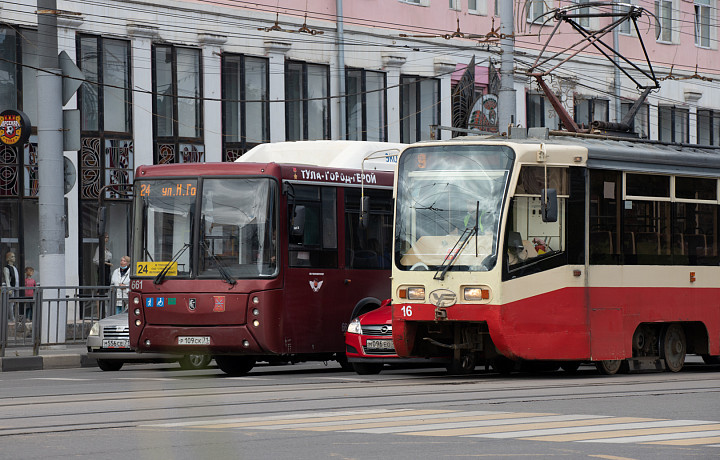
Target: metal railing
{"x": 53, "y": 315}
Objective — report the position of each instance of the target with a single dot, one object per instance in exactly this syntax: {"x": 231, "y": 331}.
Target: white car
{"x": 109, "y": 343}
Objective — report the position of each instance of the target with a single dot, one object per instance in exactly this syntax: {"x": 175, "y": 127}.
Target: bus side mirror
{"x": 101, "y": 216}
{"x": 298, "y": 221}
{"x": 549, "y": 205}
{"x": 365, "y": 212}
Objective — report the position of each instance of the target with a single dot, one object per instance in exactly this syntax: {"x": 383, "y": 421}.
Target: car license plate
{"x": 116, "y": 343}
{"x": 194, "y": 340}
{"x": 380, "y": 345}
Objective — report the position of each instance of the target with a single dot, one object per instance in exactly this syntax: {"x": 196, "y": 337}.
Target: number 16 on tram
{"x": 557, "y": 249}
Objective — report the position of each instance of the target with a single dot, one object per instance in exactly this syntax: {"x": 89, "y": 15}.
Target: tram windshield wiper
{"x": 161, "y": 276}
{"x": 221, "y": 268}
{"x": 459, "y": 245}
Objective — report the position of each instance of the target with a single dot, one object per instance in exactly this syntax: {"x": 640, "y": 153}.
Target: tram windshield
{"x": 236, "y": 222}
{"x": 449, "y": 204}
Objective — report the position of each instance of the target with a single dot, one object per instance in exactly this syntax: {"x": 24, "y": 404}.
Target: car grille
{"x": 377, "y": 329}
{"x": 116, "y": 332}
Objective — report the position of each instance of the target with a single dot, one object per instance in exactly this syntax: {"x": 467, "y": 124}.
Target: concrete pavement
{"x": 50, "y": 357}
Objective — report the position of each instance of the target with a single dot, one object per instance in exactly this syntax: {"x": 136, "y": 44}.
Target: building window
{"x": 366, "y": 102}
{"x": 664, "y": 15}
{"x": 177, "y": 107}
{"x": 455, "y": 4}
{"x": 583, "y": 21}
{"x": 702, "y": 23}
{"x": 708, "y": 127}
{"x": 419, "y": 107}
{"x": 590, "y": 109}
{"x": 673, "y": 124}
{"x": 641, "y": 123}
{"x": 307, "y": 106}
{"x": 540, "y": 113}
{"x": 627, "y": 26}
{"x": 246, "y": 110}
{"x": 535, "y": 9}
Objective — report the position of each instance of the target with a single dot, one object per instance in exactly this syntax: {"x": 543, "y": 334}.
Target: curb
{"x": 36, "y": 363}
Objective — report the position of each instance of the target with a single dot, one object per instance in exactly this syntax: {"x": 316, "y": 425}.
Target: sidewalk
{"x": 50, "y": 357}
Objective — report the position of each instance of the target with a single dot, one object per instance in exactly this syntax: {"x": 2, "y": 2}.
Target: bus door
{"x": 314, "y": 286}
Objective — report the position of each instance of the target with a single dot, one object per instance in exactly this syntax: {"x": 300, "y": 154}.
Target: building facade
{"x": 204, "y": 81}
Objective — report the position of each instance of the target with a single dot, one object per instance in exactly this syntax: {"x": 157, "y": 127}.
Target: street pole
{"x": 51, "y": 207}
{"x": 506, "y": 98}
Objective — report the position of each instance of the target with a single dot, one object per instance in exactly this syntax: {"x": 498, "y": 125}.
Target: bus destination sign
{"x": 166, "y": 189}
{"x": 338, "y": 177}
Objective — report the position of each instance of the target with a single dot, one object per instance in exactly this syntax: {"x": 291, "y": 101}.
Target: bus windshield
{"x": 449, "y": 200}
{"x": 236, "y": 217}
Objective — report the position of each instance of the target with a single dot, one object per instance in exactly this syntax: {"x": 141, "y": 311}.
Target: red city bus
{"x": 558, "y": 249}
{"x": 262, "y": 259}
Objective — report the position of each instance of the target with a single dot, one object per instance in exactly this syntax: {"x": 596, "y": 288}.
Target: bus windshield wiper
{"x": 221, "y": 268}
{"x": 161, "y": 276}
{"x": 458, "y": 247}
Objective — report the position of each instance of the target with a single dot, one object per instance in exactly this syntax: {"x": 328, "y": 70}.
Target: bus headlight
{"x": 476, "y": 294}
{"x": 136, "y": 300}
{"x": 354, "y": 327}
{"x": 416, "y": 293}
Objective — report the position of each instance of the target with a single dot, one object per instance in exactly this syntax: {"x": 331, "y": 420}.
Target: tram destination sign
{"x": 338, "y": 176}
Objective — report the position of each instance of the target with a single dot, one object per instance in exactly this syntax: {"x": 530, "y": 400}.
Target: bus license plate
{"x": 194, "y": 340}
{"x": 380, "y": 345}
{"x": 116, "y": 343}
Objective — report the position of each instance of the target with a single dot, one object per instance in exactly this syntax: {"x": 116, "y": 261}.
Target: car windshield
{"x": 237, "y": 228}
{"x": 449, "y": 201}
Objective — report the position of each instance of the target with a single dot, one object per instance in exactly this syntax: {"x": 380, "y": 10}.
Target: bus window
{"x": 315, "y": 244}
{"x": 529, "y": 240}
{"x": 370, "y": 246}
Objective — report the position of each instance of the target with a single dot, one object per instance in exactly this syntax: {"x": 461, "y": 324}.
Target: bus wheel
{"x": 193, "y": 362}
{"x": 570, "y": 367}
{"x": 367, "y": 368}
{"x": 710, "y": 359}
{"x": 674, "y": 347}
{"x": 109, "y": 364}
{"x": 503, "y": 365}
{"x": 235, "y": 365}
{"x": 463, "y": 365}
{"x": 609, "y": 367}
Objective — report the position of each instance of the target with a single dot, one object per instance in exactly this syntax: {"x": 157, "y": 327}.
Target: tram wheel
{"x": 464, "y": 365}
{"x": 710, "y": 359}
{"x": 235, "y": 365}
{"x": 610, "y": 366}
{"x": 674, "y": 347}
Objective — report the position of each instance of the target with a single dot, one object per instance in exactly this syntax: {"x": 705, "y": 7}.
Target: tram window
{"x": 647, "y": 232}
{"x": 605, "y": 201}
{"x": 534, "y": 245}
{"x": 368, "y": 246}
{"x": 649, "y": 185}
{"x": 695, "y": 239}
{"x": 315, "y": 243}
{"x": 694, "y": 188}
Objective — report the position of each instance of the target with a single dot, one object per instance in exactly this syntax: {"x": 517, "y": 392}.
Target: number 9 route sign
{"x": 14, "y": 128}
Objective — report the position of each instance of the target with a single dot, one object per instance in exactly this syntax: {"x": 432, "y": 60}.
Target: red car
{"x": 369, "y": 344}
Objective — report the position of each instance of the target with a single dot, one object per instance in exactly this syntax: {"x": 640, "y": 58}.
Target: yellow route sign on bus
{"x": 154, "y": 268}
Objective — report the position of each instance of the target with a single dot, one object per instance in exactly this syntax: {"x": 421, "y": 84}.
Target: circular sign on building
{"x": 14, "y": 128}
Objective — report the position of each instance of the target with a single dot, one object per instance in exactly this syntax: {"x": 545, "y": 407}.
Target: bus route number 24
{"x": 406, "y": 310}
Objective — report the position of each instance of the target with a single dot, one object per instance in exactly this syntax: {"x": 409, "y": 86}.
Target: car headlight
{"x": 95, "y": 329}
{"x": 354, "y": 327}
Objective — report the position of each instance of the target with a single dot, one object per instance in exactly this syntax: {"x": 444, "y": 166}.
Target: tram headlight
{"x": 95, "y": 329}
{"x": 476, "y": 294}
{"x": 416, "y": 293}
{"x": 354, "y": 327}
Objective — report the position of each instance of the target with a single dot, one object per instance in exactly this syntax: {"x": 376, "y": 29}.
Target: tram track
{"x": 132, "y": 408}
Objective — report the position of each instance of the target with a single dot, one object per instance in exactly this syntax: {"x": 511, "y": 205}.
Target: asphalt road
{"x": 313, "y": 410}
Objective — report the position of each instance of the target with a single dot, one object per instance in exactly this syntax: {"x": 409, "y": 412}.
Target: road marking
{"x": 529, "y": 427}
{"x": 61, "y": 379}
{"x": 482, "y": 424}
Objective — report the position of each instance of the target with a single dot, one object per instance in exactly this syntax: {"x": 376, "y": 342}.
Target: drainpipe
{"x": 342, "y": 100}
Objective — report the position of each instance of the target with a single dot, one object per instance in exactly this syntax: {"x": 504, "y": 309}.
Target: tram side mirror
{"x": 298, "y": 221}
{"x": 365, "y": 212}
{"x": 549, "y": 205}
{"x": 101, "y": 217}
